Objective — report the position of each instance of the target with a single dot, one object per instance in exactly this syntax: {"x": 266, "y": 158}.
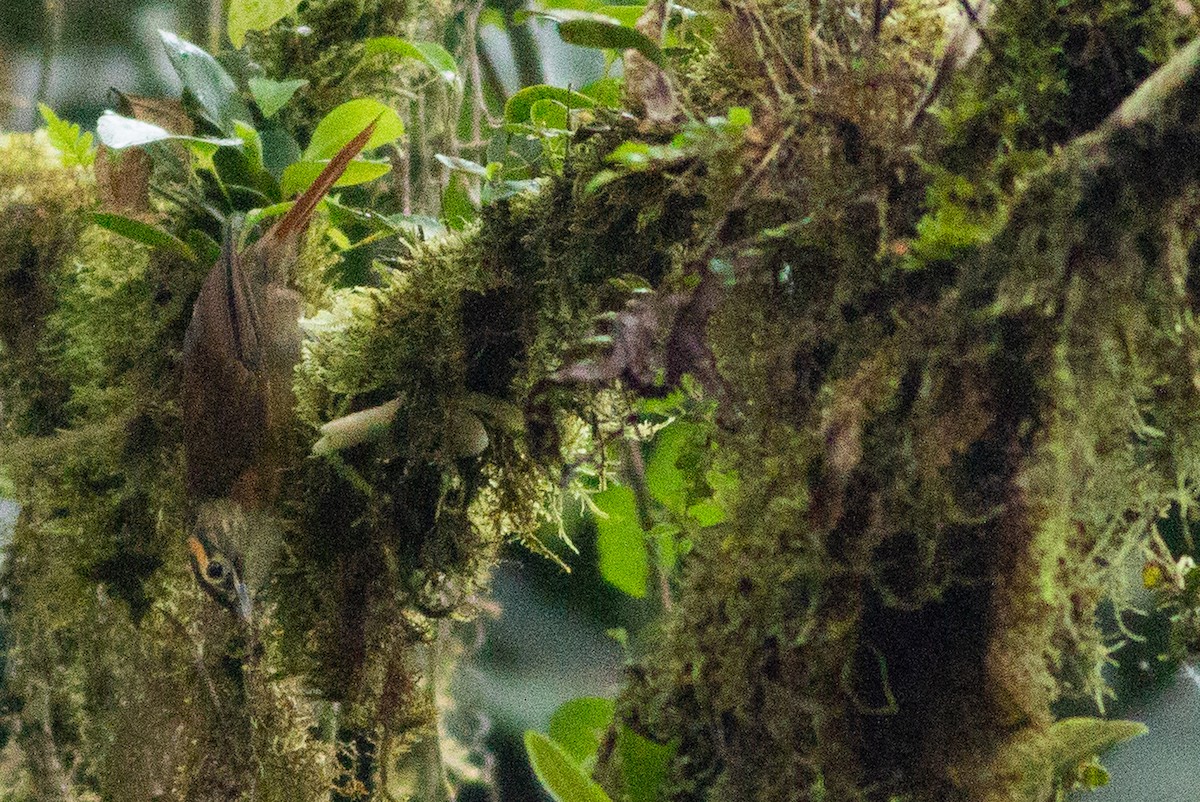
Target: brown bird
{"x": 241, "y": 346}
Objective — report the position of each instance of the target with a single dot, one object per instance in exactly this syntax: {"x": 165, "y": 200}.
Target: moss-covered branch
{"x": 946, "y": 383}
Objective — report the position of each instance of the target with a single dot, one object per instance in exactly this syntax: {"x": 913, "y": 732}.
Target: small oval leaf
{"x": 430, "y": 53}
{"x": 607, "y": 33}
{"x": 520, "y": 106}
{"x": 347, "y": 121}
{"x": 255, "y": 15}
{"x": 299, "y": 176}
{"x": 271, "y": 96}
{"x": 206, "y": 81}
{"x": 565, "y": 781}
{"x": 624, "y": 558}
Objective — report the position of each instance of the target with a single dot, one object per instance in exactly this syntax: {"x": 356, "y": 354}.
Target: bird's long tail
{"x": 295, "y": 221}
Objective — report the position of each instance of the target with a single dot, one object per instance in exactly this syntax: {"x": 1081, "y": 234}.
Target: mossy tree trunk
{"x": 947, "y": 362}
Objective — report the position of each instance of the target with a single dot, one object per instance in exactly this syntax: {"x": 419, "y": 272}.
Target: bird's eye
{"x": 216, "y": 571}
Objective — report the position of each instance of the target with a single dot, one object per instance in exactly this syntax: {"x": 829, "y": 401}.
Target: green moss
{"x": 41, "y": 204}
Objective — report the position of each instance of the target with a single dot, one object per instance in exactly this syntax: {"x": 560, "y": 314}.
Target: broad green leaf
{"x": 565, "y": 781}
{"x": 271, "y": 96}
{"x": 605, "y": 91}
{"x": 624, "y": 561}
{"x": 520, "y": 105}
{"x": 348, "y": 121}
{"x": 626, "y": 15}
{"x": 207, "y": 82}
{"x": 457, "y": 209}
{"x": 665, "y": 481}
{"x": 578, "y": 726}
{"x": 242, "y": 167}
{"x": 605, "y": 32}
{"x": 549, "y": 113}
{"x": 203, "y": 153}
{"x": 707, "y": 513}
{"x": 144, "y": 233}
{"x": 299, "y": 176}
{"x": 251, "y": 143}
{"x": 255, "y": 15}
{"x": 119, "y": 132}
{"x": 644, "y": 765}
{"x": 76, "y": 148}
{"x": 279, "y": 150}
{"x": 256, "y": 216}
{"x": 430, "y": 53}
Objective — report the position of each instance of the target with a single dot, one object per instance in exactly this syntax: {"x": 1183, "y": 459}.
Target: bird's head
{"x": 220, "y": 574}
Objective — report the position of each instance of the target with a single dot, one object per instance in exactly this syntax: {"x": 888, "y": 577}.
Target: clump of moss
{"x": 322, "y": 45}
{"x": 945, "y": 463}
{"x": 101, "y": 609}
{"x": 41, "y": 222}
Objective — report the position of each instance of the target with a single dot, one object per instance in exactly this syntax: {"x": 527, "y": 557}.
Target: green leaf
{"x": 665, "y": 481}
{"x": 457, "y": 209}
{"x": 430, "y": 53}
{"x": 255, "y": 15}
{"x": 605, "y": 91}
{"x": 707, "y": 513}
{"x": 1077, "y": 739}
{"x": 279, "y": 150}
{"x": 207, "y": 82}
{"x": 565, "y": 781}
{"x": 76, "y": 148}
{"x": 299, "y": 176}
{"x": 271, "y": 96}
{"x": 605, "y": 32}
{"x": 251, "y": 143}
{"x": 549, "y": 113}
{"x": 644, "y": 765}
{"x": 119, "y": 132}
{"x": 519, "y": 107}
{"x": 578, "y": 726}
{"x": 144, "y": 233}
{"x": 348, "y": 121}
{"x": 624, "y": 562}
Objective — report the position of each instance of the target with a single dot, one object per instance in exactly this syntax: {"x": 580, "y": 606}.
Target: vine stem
{"x": 433, "y": 785}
